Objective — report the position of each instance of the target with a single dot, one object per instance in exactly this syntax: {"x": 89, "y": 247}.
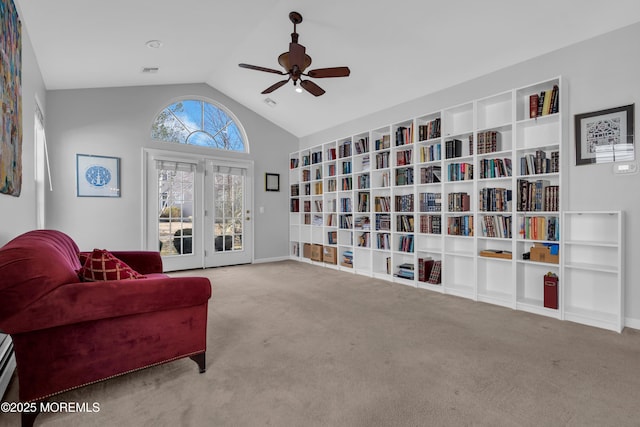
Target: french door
{"x": 198, "y": 210}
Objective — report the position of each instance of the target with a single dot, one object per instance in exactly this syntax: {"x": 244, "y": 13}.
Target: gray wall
{"x": 599, "y": 73}
{"x": 18, "y": 214}
{"x": 117, "y": 122}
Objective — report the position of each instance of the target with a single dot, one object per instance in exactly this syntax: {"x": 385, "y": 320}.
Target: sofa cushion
{"x": 103, "y": 265}
{"x": 32, "y": 265}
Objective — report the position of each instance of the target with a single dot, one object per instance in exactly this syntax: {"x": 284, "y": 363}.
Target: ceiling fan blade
{"x": 297, "y": 55}
{"x": 311, "y": 87}
{"x": 266, "y": 70}
{"x": 329, "y": 72}
{"x": 274, "y": 86}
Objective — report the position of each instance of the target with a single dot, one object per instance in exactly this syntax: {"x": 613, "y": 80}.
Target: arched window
{"x": 200, "y": 123}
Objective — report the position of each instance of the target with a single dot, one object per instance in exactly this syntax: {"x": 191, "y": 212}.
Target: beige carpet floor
{"x": 291, "y": 344}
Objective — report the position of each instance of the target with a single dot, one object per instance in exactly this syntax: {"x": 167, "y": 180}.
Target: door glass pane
{"x": 228, "y": 194}
{"x": 175, "y": 211}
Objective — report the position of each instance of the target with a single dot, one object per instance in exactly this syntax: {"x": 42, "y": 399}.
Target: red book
{"x": 551, "y": 291}
{"x": 533, "y": 106}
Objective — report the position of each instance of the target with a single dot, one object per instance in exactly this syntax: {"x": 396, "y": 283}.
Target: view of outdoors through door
{"x": 228, "y": 215}
{"x": 175, "y": 210}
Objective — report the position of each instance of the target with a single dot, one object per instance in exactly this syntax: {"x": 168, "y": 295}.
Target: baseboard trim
{"x": 274, "y": 259}
{"x": 632, "y": 323}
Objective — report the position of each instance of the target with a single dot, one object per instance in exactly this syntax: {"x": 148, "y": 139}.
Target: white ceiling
{"x": 397, "y": 51}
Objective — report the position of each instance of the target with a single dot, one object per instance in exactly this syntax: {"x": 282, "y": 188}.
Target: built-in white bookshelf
{"x": 475, "y": 188}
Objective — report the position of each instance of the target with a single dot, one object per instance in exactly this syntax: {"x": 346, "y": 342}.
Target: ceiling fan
{"x": 295, "y": 62}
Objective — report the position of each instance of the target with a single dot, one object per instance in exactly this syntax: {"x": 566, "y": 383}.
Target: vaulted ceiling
{"x": 397, "y": 51}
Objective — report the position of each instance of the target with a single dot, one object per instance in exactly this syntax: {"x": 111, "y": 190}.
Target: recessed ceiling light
{"x": 154, "y": 44}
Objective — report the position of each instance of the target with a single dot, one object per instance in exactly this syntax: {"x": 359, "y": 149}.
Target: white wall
{"x": 117, "y": 122}
{"x": 18, "y": 214}
{"x": 599, "y": 73}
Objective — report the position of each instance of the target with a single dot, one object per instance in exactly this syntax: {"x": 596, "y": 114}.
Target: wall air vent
{"x": 150, "y": 70}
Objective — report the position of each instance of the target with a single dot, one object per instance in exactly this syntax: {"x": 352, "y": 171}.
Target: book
{"x": 435, "y": 275}
{"x": 533, "y": 106}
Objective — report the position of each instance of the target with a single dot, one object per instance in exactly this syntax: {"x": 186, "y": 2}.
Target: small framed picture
{"x": 97, "y": 176}
{"x": 272, "y": 182}
{"x": 605, "y": 136}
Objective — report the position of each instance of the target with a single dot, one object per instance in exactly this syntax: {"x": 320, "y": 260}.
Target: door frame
{"x": 149, "y": 236}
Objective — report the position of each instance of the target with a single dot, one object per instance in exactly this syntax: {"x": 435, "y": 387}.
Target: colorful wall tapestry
{"x": 11, "y": 99}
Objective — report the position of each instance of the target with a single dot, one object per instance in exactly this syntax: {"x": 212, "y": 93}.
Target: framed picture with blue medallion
{"x": 97, "y": 176}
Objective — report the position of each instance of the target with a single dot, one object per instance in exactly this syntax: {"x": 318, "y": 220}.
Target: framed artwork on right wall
{"x": 605, "y": 136}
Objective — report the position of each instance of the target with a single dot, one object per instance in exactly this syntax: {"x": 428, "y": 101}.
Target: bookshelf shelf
{"x": 427, "y": 188}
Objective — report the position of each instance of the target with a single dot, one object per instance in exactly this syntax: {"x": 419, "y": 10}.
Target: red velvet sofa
{"x": 68, "y": 333}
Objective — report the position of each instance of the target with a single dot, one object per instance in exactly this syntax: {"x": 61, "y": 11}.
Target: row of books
{"x": 404, "y": 157}
{"x": 458, "y": 202}
{"x": 346, "y": 167}
{"x": 382, "y": 203}
{"x": 362, "y": 223}
{"x": 539, "y": 228}
{"x": 346, "y": 222}
{"x": 459, "y": 172}
{"x": 362, "y": 145}
{"x": 430, "y": 174}
{"x": 496, "y": 226}
{"x": 494, "y": 200}
{"x": 332, "y": 237}
{"x": 382, "y": 160}
{"x": 489, "y": 142}
{"x": 331, "y": 154}
{"x": 293, "y": 164}
{"x": 404, "y": 135}
{"x": 532, "y": 164}
{"x": 430, "y": 202}
{"x": 431, "y": 224}
{"x": 346, "y": 183}
{"x": 453, "y": 148}
{"x": 430, "y": 153}
{"x": 537, "y": 196}
{"x": 404, "y": 223}
{"x": 404, "y": 203}
{"x": 404, "y": 176}
{"x": 495, "y": 168}
{"x": 383, "y": 241}
{"x": 383, "y": 143}
{"x": 406, "y": 243}
{"x": 547, "y": 102}
{"x": 317, "y": 187}
{"x": 295, "y": 190}
{"x": 344, "y": 150}
{"x": 364, "y": 181}
{"x": 363, "y": 202}
{"x": 316, "y": 157}
{"x": 430, "y": 130}
{"x": 331, "y": 185}
{"x": 345, "y": 204}
{"x": 460, "y": 225}
{"x": 383, "y": 222}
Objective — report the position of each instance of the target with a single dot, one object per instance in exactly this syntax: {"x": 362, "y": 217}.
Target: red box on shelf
{"x": 551, "y": 291}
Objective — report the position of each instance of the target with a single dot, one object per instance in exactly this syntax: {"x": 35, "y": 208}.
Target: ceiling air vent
{"x": 150, "y": 70}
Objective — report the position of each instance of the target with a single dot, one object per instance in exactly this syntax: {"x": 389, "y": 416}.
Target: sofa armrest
{"x": 144, "y": 262}
{"x": 90, "y": 301}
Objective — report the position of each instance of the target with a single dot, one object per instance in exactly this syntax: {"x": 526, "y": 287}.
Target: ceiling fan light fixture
{"x": 298, "y": 89}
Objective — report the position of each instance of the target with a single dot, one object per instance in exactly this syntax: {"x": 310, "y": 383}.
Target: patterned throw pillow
{"x": 102, "y": 265}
